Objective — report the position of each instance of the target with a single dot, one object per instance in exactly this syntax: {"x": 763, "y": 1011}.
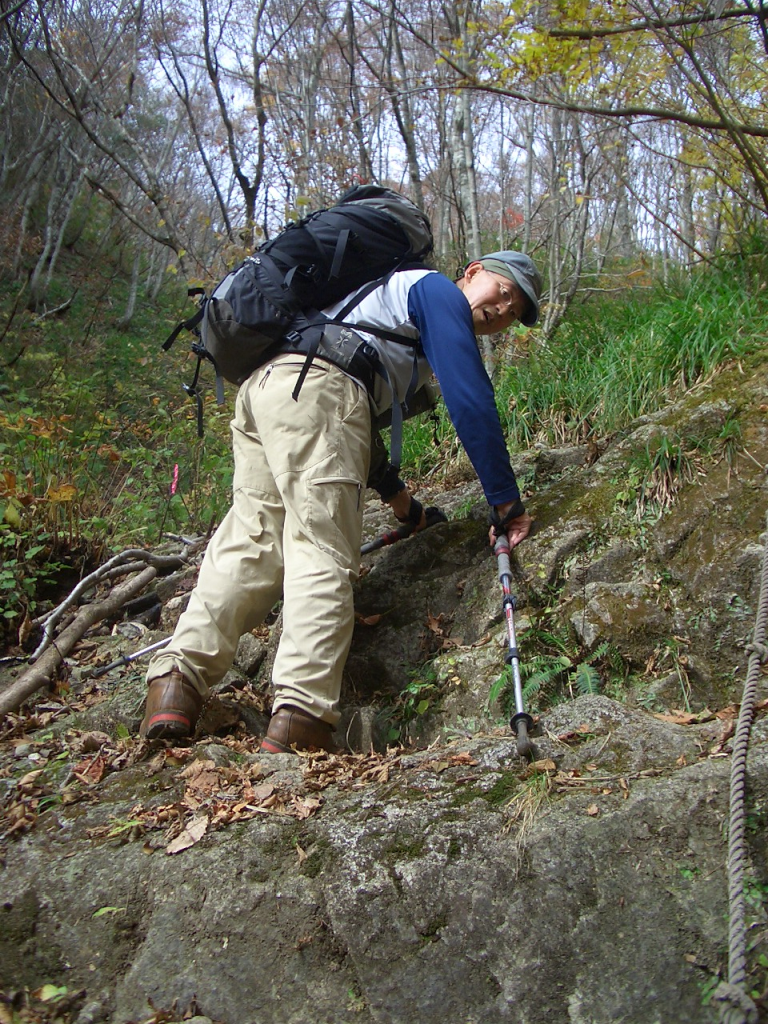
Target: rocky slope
{"x": 441, "y": 878}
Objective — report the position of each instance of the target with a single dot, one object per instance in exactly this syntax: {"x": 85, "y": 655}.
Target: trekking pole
{"x": 521, "y": 722}
{"x": 434, "y": 516}
{"x": 126, "y": 659}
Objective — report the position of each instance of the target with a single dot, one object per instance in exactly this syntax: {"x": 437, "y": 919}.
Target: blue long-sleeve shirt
{"x": 444, "y": 319}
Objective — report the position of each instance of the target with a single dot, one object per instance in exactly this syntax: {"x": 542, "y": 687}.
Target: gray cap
{"x": 518, "y": 267}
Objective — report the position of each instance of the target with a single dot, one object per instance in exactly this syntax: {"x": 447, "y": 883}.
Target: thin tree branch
{"x": 146, "y": 557}
{"x": 13, "y": 10}
{"x": 646, "y": 23}
{"x": 472, "y": 83}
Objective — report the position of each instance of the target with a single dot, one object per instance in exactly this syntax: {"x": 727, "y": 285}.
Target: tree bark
{"x": 130, "y": 305}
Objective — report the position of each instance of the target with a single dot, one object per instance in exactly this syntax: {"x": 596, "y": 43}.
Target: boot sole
{"x": 273, "y": 747}
{"x": 167, "y": 725}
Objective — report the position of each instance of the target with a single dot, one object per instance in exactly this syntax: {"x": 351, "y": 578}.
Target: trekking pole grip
{"x": 501, "y": 550}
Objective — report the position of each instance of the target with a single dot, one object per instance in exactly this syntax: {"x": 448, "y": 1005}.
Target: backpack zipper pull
{"x": 267, "y": 372}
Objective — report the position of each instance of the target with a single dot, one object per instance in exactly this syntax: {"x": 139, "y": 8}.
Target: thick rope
{"x": 736, "y": 1006}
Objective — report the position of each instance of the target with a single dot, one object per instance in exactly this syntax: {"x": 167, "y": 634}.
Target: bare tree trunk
{"x": 554, "y": 208}
{"x": 715, "y": 220}
{"x": 32, "y": 193}
{"x": 69, "y": 200}
{"x": 624, "y": 225}
{"x": 440, "y": 223}
{"x": 365, "y": 168}
{"x": 402, "y": 109}
{"x": 248, "y": 188}
{"x": 685, "y": 207}
{"x": 130, "y": 305}
{"x": 470, "y": 177}
{"x": 502, "y": 182}
{"x": 530, "y": 124}
{"x": 155, "y": 272}
{"x": 61, "y": 200}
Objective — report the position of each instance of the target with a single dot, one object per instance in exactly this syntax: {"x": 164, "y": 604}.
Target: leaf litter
{"x": 56, "y": 1004}
{"x": 74, "y": 767}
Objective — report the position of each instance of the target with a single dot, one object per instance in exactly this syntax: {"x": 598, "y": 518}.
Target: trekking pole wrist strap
{"x": 496, "y": 521}
{"x": 389, "y": 484}
{"x": 415, "y": 512}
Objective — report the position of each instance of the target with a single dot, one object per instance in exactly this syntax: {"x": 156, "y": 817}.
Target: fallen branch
{"x": 42, "y": 671}
{"x": 113, "y": 566}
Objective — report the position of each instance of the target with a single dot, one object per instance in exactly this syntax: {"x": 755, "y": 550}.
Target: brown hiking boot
{"x": 290, "y": 727}
{"x": 173, "y": 706}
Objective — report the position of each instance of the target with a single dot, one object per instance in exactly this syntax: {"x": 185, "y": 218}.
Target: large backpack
{"x": 278, "y": 292}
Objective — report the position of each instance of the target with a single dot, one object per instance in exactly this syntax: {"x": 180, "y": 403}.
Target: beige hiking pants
{"x": 294, "y": 528}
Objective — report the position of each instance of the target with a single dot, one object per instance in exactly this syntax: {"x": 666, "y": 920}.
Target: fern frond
{"x": 499, "y": 686}
{"x": 543, "y": 672}
{"x": 586, "y": 679}
{"x": 531, "y": 688}
{"x": 599, "y": 652}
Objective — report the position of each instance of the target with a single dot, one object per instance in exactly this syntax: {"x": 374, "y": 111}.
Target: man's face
{"x": 495, "y": 301}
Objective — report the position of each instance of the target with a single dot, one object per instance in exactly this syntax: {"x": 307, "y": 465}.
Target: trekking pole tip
{"x": 522, "y": 725}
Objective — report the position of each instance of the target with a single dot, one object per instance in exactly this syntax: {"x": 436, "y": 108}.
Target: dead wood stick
{"x": 113, "y": 565}
{"x": 41, "y": 672}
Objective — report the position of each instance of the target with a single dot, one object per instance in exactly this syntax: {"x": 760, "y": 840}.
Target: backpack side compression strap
{"x": 191, "y": 323}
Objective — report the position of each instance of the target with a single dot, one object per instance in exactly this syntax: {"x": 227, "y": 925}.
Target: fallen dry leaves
{"x": 681, "y": 717}
{"x": 367, "y": 620}
{"x": 207, "y": 796}
{"x": 55, "y": 780}
{"x": 582, "y": 732}
{"x": 354, "y": 771}
{"x": 217, "y": 796}
{"x": 451, "y": 761}
{"x": 72, "y": 767}
{"x": 435, "y": 636}
{"x": 214, "y": 796}
{"x": 191, "y": 834}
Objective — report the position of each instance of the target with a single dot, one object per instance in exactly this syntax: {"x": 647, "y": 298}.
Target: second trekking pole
{"x": 521, "y": 722}
{"x": 434, "y": 516}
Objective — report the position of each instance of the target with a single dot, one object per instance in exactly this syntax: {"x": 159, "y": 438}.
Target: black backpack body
{"x": 271, "y": 302}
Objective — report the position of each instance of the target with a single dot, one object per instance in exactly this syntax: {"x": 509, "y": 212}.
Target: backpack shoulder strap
{"x": 363, "y": 293}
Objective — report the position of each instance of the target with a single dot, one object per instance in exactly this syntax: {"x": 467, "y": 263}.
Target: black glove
{"x": 435, "y": 515}
{"x": 415, "y": 512}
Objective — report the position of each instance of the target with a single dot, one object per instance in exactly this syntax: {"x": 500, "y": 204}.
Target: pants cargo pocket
{"x": 335, "y": 517}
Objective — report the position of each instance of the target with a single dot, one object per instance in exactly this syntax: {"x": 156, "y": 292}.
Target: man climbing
{"x": 301, "y": 467}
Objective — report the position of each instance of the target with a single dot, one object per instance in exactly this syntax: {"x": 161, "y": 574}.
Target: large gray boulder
{"x": 464, "y": 885}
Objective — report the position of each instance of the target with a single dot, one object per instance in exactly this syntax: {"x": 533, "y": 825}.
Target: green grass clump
{"x": 614, "y": 361}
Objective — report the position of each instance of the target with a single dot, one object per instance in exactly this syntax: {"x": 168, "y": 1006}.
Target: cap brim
{"x": 531, "y": 315}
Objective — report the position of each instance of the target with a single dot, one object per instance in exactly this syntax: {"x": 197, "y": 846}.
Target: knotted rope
{"x": 736, "y": 1006}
